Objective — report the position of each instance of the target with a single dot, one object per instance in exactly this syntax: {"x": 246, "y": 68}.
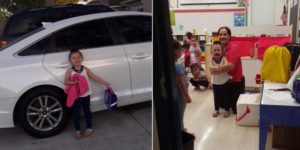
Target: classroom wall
{"x": 183, "y": 4}
{"x": 211, "y": 19}
{"x": 201, "y": 16}
{"x": 266, "y": 12}
{"x": 198, "y": 17}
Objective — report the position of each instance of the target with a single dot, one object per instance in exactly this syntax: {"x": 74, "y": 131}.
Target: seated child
{"x": 199, "y": 79}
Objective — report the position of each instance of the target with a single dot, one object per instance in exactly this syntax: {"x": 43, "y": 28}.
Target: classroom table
{"x": 276, "y": 108}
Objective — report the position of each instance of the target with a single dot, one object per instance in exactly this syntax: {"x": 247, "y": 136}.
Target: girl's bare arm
{"x": 183, "y": 89}
{"x": 68, "y": 80}
{"x": 96, "y": 78}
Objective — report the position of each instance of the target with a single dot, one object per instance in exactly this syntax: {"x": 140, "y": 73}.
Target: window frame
{"x": 114, "y": 37}
{"x": 31, "y": 44}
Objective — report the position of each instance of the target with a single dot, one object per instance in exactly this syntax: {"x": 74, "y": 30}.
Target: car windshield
{"x": 22, "y": 37}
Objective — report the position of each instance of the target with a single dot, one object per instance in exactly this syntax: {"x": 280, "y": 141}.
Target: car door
{"x": 101, "y": 53}
{"x": 136, "y": 35}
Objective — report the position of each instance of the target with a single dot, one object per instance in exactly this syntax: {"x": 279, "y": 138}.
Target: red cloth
{"x": 245, "y": 44}
{"x": 187, "y": 58}
{"x": 233, "y": 56}
{"x": 265, "y": 42}
{"x": 76, "y": 90}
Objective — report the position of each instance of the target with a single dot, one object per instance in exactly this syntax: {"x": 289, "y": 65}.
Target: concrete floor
{"x": 129, "y": 128}
{"x": 217, "y": 133}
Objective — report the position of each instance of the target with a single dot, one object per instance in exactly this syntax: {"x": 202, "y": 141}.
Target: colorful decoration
{"x": 239, "y": 19}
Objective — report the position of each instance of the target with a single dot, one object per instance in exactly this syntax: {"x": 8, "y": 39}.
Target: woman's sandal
{"x": 216, "y": 114}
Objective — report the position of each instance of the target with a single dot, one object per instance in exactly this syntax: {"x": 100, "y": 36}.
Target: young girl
{"x": 181, "y": 77}
{"x": 195, "y": 51}
{"x": 199, "y": 79}
{"x": 76, "y": 58}
{"x": 187, "y": 38}
{"x": 220, "y": 81}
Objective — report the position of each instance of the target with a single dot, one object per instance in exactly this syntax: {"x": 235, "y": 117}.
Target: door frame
{"x": 167, "y": 99}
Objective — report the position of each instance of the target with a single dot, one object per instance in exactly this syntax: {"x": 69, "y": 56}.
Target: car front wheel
{"x": 43, "y": 113}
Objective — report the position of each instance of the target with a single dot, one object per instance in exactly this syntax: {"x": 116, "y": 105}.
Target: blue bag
{"x": 110, "y": 99}
{"x": 296, "y": 90}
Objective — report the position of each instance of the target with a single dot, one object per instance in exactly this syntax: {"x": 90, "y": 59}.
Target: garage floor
{"x": 217, "y": 133}
{"x": 129, "y": 128}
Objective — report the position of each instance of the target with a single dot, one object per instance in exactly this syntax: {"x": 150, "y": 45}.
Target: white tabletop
{"x": 271, "y": 97}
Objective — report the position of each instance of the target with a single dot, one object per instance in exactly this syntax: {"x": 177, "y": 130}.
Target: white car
{"x": 117, "y": 46}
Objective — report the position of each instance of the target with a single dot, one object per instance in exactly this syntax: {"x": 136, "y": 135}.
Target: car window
{"x": 21, "y": 38}
{"x": 24, "y": 22}
{"x": 135, "y": 29}
{"x": 18, "y": 25}
{"x": 82, "y": 36}
{"x": 36, "y": 49}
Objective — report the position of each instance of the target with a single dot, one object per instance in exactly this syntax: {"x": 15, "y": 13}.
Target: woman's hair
{"x": 226, "y": 28}
{"x": 75, "y": 50}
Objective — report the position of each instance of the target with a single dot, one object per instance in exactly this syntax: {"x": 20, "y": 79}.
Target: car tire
{"x": 43, "y": 113}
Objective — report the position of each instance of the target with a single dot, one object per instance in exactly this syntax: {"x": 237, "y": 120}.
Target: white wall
{"x": 173, "y": 4}
{"x": 278, "y": 11}
{"x": 260, "y": 13}
{"x": 266, "y": 12}
{"x": 206, "y": 1}
{"x": 227, "y": 6}
{"x": 200, "y": 20}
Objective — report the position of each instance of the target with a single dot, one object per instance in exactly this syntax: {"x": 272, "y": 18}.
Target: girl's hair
{"x": 176, "y": 45}
{"x": 75, "y": 50}
{"x": 189, "y": 35}
{"x": 195, "y": 37}
{"x": 186, "y": 46}
{"x": 194, "y": 65}
{"x": 226, "y": 28}
{"x": 216, "y": 43}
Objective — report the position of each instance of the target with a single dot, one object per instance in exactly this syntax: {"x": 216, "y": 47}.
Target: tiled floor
{"x": 217, "y": 133}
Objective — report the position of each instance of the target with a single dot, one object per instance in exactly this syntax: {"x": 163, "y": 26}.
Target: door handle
{"x": 140, "y": 56}
{"x": 63, "y": 65}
